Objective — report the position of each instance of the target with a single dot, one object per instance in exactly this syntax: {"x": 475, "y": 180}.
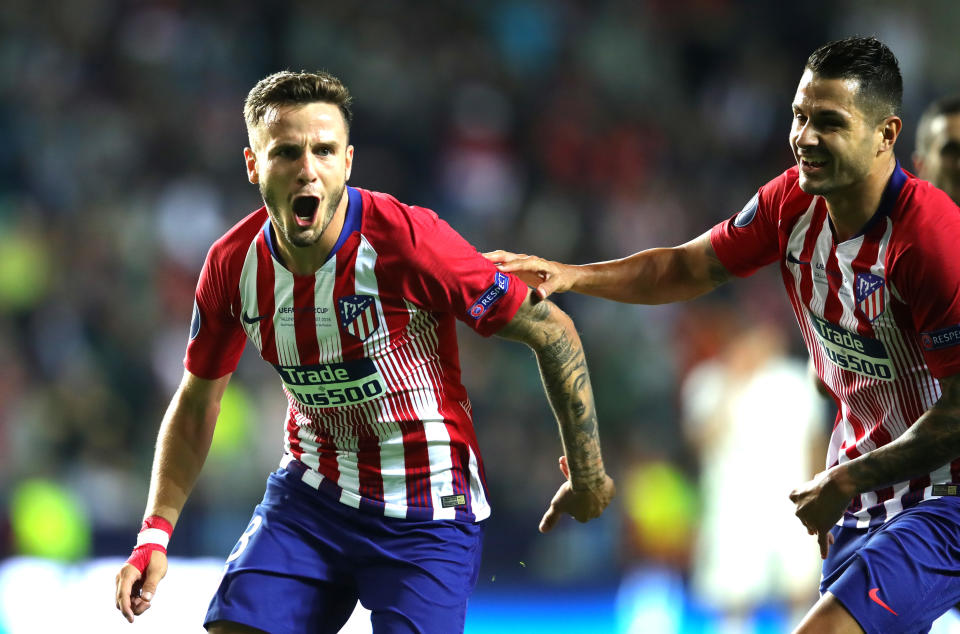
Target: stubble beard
{"x": 302, "y": 238}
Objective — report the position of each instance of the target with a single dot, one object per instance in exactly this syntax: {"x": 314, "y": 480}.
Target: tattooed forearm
{"x": 566, "y": 380}
{"x": 934, "y": 440}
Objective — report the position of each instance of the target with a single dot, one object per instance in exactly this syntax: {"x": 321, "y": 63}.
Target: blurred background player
{"x": 867, "y": 257}
{"x": 937, "y": 154}
{"x": 752, "y": 389}
{"x": 352, "y": 297}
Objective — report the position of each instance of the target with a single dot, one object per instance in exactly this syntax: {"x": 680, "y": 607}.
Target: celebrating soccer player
{"x": 868, "y": 258}
{"x": 352, "y": 297}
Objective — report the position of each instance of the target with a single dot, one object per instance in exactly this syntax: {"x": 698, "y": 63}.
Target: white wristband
{"x": 153, "y": 536}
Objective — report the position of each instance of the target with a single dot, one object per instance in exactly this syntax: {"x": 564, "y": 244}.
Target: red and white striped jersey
{"x": 880, "y": 313}
{"x": 366, "y": 352}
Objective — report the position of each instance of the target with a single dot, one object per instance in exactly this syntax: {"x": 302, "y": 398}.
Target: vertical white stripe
{"x": 249, "y": 304}
{"x": 481, "y": 506}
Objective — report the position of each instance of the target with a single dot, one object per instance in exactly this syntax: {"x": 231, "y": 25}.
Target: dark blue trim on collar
{"x": 268, "y": 238}
{"x": 352, "y": 220}
{"x": 888, "y": 200}
{"x": 351, "y": 223}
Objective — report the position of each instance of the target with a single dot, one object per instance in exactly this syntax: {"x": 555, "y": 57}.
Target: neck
{"x": 308, "y": 260}
{"x": 853, "y": 207}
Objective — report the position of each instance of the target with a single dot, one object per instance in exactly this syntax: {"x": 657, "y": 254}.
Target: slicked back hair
{"x": 287, "y": 88}
{"x": 945, "y": 106}
{"x": 872, "y": 64}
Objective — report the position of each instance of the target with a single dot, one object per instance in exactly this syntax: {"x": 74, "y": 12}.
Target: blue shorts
{"x": 901, "y": 575}
{"x": 305, "y": 559}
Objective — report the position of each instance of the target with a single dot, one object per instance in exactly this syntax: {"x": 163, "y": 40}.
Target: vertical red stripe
{"x": 368, "y": 465}
{"x": 305, "y": 319}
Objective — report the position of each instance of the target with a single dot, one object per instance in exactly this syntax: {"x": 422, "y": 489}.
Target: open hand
{"x": 544, "y": 276}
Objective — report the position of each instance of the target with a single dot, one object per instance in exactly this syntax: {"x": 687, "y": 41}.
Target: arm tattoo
{"x": 717, "y": 272}
{"x": 932, "y": 441}
{"x": 566, "y": 380}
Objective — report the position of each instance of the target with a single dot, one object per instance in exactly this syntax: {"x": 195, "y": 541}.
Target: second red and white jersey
{"x": 879, "y": 313}
{"x": 366, "y": 352}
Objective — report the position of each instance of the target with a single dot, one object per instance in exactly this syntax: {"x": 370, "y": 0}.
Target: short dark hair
{"x": 872, "y": 64}
{"x": 287, "y": 88}
{"x": 941, "y": 107}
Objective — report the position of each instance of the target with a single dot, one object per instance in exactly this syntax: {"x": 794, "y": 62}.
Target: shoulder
{"x": 926, "y": 230}
{"x": 925, "y": 217}
{"x": 233, "y": 244}
{"x": 784, "y": 193}
{"x": 386, "y": 218}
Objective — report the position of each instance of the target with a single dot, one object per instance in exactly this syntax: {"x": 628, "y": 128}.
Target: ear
{"x": 250, "y": 158}
{"x": 348, "y": 158}
{"x": 889, "y": 131}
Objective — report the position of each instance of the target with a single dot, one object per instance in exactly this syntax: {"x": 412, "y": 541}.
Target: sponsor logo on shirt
{"x": 943, "y": 338}
{"x": 333, "y": 384}
{"x": 501, "y": 283}
{"x": 855, "y": 353}
{"x": 358, "y": 315}
{"x": 870, "y": 294}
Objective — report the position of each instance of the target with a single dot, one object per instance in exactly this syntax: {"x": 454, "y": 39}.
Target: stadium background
{"x": 572, "y": 129}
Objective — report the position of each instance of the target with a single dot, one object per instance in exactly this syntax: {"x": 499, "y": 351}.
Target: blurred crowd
{"x": 573, "y": 129}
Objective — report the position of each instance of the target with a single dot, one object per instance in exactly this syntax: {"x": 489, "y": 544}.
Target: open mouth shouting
{"x": 305, "y": 210}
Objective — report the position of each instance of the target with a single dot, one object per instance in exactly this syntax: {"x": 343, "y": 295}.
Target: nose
{"x": 309, "y": 171}
{"x": 805, "y": 136}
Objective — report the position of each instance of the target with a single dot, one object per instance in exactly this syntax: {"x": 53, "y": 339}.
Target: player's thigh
{"x": 422, "y": 578}
{"x": 903, "y": 576}
{"x": 288, "y": 571}
{"x": 828, "y": 616}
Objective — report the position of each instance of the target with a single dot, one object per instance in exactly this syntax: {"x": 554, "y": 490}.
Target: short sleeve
{"x": 749, "y": 240}
{"x": 445, "y": 273}
{"x": 216, "y": 337}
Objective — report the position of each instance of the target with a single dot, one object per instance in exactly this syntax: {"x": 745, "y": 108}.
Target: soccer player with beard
{"x": 867, "y": 253}
{"x": 352, "y": 297}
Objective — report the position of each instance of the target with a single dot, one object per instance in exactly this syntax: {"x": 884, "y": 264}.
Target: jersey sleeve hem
{"x": 509, "y": 305}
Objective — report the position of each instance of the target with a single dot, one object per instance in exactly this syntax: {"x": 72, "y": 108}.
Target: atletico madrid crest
{"x": 358, "y": 315}
{"x": 870, "y": 292}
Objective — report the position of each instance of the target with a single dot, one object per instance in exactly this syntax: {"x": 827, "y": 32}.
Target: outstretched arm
{"x": 932, "y": 441}
{"x": 563, "y": 369}
{"x": 654, "y": 276}
{"x": 182, "y": 445}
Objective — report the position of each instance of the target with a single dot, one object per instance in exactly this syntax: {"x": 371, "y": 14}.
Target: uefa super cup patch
{"x": 943, "y": 338}
{"x": 501, "y": 283}
{"x": 870, "y": 294}
{"x": 358, "y": 315}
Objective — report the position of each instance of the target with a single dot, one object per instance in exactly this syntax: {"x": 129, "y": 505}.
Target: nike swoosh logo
{"x": 873, "y": 597}
{"x": 792, "y": 258}
{"x": 253, "y": 320}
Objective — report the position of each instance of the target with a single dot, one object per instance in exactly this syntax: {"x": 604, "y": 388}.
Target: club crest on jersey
{"x": 870, "y": 292}
{"x": 358, "y": 315}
